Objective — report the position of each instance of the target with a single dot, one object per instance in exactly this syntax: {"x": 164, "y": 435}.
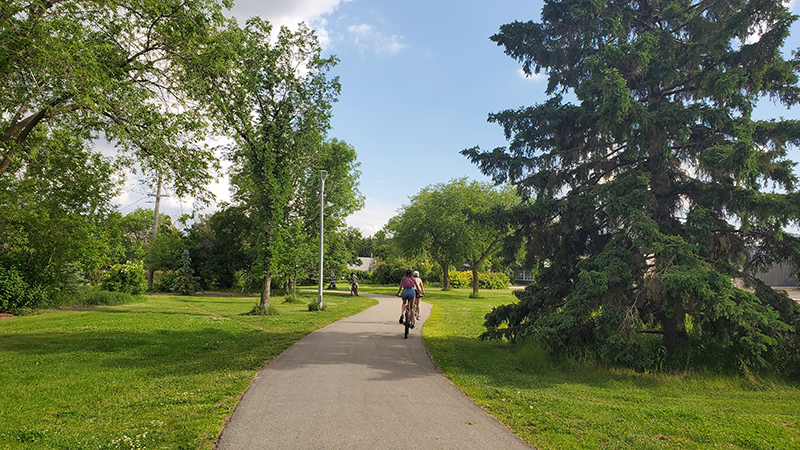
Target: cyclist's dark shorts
{"x": 408, "y": 294}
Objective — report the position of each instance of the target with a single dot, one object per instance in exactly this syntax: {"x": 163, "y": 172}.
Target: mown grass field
{"x": 166, "y": 372}
{"x": 559, "y": 406}
{"x": 160, "y": 374}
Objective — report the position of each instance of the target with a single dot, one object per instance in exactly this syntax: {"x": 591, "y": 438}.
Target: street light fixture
{"x": 323, "y": 174}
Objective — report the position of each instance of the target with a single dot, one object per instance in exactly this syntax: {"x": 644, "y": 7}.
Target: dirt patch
{"x": 6, "y": 315}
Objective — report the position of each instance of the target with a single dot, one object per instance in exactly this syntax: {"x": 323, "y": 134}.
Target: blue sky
{"x": 419, "y": 78}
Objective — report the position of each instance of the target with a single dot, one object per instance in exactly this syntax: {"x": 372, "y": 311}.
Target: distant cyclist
{"x": 408, "y": 292}
{"x": 353, "y": 284}
{"x": 420, "y": 291}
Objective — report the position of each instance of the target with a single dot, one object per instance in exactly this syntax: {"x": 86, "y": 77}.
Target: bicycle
{"x": 408, "y": 313}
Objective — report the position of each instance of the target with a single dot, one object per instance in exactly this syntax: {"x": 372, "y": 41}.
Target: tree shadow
{"x": 519, "y": 365}
{"x": 158, "y": 352}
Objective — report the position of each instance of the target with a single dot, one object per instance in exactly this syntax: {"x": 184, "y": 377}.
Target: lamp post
{"x": 323, "y": 174}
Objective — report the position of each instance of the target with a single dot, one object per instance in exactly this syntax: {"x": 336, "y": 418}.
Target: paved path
{"x": 794, "y": 293}
{"x": 357, "y": 384}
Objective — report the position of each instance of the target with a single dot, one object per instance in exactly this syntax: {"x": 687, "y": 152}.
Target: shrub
{"x": 460, "y": 279}
{"x": 493, "y": 280}
{"x": 257, "y": 311}
{"x": 486, "y": 280}
{"x": 163, "y": 280}
{"x": 388, "y": 272}
{"x": 363, "y": 276}
{"x": 313, "y": 305}
{"x": 129, "y": 278}
{"x": 391, "y": 271}
{"x": 95, "y": 296}
{"x": 16, "y": 294}
{"x": 72, "y": 280}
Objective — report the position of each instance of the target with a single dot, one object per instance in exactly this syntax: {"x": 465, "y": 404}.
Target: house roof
{"x": 367, "y": 263}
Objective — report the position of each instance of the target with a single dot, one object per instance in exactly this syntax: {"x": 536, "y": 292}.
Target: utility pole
{"x": 323, "y": 174}
{"x": 155, "y": 232}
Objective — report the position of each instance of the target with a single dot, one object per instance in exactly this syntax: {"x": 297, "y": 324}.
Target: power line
{"x": 137, "y": 201}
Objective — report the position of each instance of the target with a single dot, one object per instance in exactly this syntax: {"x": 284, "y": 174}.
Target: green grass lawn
{"x": 164, "y": 373}
{"x": 558, "y": 406}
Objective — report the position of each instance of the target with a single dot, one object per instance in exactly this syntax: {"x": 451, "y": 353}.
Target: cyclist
{"x": 420, "y": 291}
{"x": 408, "y": 292}
{"x": 353, "y": 284}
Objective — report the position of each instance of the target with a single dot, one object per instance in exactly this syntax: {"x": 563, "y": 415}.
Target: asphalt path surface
{"x": 358, "y": 384}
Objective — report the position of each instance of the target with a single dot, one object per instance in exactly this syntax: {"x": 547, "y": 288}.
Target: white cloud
{"x": 535, "y": 77}
{"x": 289, "y": 13}
{"x": 372, "y": 218}
{"x": 367, "y": 37}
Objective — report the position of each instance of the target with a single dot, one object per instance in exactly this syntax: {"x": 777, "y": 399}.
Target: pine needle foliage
{"x": 655, "y": 187}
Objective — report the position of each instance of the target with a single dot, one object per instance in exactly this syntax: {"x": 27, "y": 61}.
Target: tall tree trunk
{"x": 265, "y": 288}
{"x": 474, "y": 279}
{"x": 673, "y": 325}
{"x": 445, "y": 276}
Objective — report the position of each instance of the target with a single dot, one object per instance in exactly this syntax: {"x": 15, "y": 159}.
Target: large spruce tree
{"x": 655, "y": 187}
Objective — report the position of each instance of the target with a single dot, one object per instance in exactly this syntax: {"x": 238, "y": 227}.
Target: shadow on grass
{"x": 160, "y": 352}
{"x": 520, "y": 365}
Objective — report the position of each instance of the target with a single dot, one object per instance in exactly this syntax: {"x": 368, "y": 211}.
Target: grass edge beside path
{"x": 562, "y": 406}
{"x": 165, "y": 373}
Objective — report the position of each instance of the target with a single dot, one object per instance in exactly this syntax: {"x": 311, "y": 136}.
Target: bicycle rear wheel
{"x": 407, "y": 321}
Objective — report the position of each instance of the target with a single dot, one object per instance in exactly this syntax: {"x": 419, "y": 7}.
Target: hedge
{"x": 486, "y": 280}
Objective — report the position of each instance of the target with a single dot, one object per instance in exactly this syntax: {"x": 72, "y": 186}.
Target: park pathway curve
{"x": 357, "y": 384}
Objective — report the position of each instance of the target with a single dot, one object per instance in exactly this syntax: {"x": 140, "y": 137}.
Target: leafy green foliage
{"x": 163, "y": 280}
{"x": 486, "y": 280}
{"x": 167, "y": 249}
{"x": 278, "y": 151}
{"x": 74, "y": 68}
{"x": 130, "y": 278}
{"x": 16, "y": 294}
{"x": 76, "y": 73}
{"x": 656, "y": 187}
{"x": 220, "y": 245}
{"x": 380, "y": 246}
{"x": 96, "y": 296}
{"x": 392, "y": 270}
{"x": 453, "y": 223}
{"x": 55, "y": 212}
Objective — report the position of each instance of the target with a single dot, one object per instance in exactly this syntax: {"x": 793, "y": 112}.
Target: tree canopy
{"x": 454, "y": 224}
{"x": 157, "y": 80}
{"x": 71, "y": 68}
{"x": 273, "y": 95}
{"x": 655, "y": 188}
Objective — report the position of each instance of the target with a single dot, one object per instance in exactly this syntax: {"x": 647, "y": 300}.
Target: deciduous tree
{"x": 54, "y": 214}
{"x": 454, "y": 223}
{"x": 272, "y": 93}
